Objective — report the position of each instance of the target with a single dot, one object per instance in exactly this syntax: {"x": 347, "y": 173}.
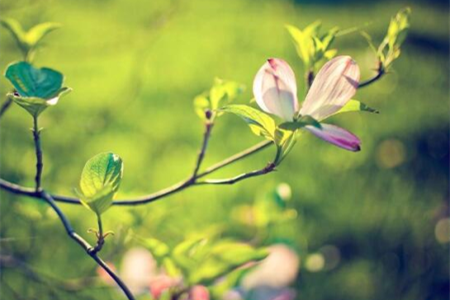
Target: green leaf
{"x": 100, "y": 180}
{"x": 389, "y": 49}
{"x": 189, "y": 253}
{"x": 229, "y": 282}
{"x": 201, "y": 105}
{"x": 313, "y": 48}
{"x": 355, "y": 105}
{"x": 38, "y": 32}
{"x": 170, "y": 268}
{"x": 33, "y": 82}
{"x": 158, "y": 249}
{"x": 221, "y": 93}
{"x": 300, "y": 123}
{"x": 27, "y": 41}
{"x": 16, "y": 30}
{"x": 35, "y": 106}
{"x": 398, "y": 28}
{"x": 260, "y": 123}
{"x": 223, "y": 258}
{"x": 303, "y": 44}
{"x": 285, "y": 141}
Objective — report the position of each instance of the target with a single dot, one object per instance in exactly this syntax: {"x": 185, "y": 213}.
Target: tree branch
{"x": 20, "y": 190}
{"x": 84, "y": 244}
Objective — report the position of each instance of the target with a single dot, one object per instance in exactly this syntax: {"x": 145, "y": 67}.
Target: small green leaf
{"x": 100, "y": 180}
{"x": 170, "y": 268}
{"x": 312, "y": 47}
{"x": 189, "y": 253}
{"x": 38, "y": 32}
{"x": 221, "y": 93}
{"x": 229, "y": 282}
{"x": 355, "y": 105}
{"x": 260, "y": 123}
{"x": 27, "y": 41}
{"x": 158, "y": 249}
{"x": 32, "y": 82}
{"x": 399, "y": 27}
{"x": 201, "y": 105}
{"x": 16, "y": 30}
{"x": 223, "y": 258}
{"x": 389, "y": 50}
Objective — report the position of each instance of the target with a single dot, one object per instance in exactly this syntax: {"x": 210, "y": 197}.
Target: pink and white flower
{"x": 275, "y": 91}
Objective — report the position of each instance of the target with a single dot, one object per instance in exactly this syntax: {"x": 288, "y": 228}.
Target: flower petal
{"x": 332, "y": 88}
{"x": 336, "y": 136}
{"x": 275, "y": 89}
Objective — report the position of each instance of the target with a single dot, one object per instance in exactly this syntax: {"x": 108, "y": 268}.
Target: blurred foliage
{"x": 371, "y": 225}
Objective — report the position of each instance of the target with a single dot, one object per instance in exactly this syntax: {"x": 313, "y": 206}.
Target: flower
{"x": 275, "y": 91}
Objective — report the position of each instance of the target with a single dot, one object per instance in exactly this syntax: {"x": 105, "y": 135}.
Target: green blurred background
{"x": 135, "y": 67}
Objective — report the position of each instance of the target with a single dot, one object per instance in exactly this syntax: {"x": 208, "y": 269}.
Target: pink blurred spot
{"x": 199, "y": 292}
{"x": 160, "y": 284}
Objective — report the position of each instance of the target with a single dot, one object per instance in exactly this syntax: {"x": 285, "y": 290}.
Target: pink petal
{"x": 336, "y": 136}
{"x": 275, "y": 89}
{"x": 333, "y": 87}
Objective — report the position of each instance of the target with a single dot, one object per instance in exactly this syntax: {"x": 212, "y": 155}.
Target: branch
{"x": 84, "y": 244}
{"x": 20, "y": 190}
{"x": 267, "y": 169}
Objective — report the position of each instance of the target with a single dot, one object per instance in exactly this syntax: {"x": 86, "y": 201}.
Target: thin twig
{"x": 201, "y": 155}
{"x": 5, "y": 106}
{"x": 37, "y": 146}
{"x": 267, "y": 169}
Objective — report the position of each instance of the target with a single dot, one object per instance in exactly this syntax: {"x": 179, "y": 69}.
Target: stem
{"x": 201, "y": 155}
{"x": 37, "y": 144}
{"x": 380, "y": 73}
{"x": 100, "y": 225}
{"x": 100, "y": 236}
